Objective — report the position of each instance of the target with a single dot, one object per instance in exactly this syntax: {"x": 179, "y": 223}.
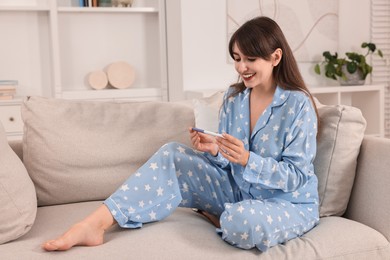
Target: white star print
{"x": 264, "y": 137}
{"x": 240, "y": 209}
{"x": 160, "y": 191}
{"x": 181, "y": 149}
{"x": 147, "y": 187}
{"x": 152, "y": 215}
{"x": 131, "y": 210}
{"x": 267, "y": 243}
{"x": 153, "y": 166}
{"x": 141, "y": 204}
{"x": 170, "y": 182}
{"x": 166, "y": 153}
{"x": 253, "y": 166}
{"x": 200, "y": 167}
{"x": 269, "y": 219}
{"x": 295, "y": 194}
{"x": 244, "y": 236}
{"x": 281, "y": 183}
{"x": 124, "y": 187}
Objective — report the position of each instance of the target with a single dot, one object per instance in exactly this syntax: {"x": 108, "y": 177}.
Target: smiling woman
{"x": 250, "y": 179}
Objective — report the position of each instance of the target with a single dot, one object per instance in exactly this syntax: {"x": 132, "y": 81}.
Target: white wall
{"x": 204, "y": 50}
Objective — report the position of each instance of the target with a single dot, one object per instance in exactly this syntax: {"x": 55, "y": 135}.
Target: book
{"x": 8, "y": 82}
{"x": 7, "y": 89}
{"x": 6, "y": 97}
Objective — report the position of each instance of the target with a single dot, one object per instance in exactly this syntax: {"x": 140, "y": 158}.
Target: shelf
{"x": 24, "y": 8}
{"x": 135, "y": 93}
{"x": 344, "y": 89}
{"x": 107, "y": 10}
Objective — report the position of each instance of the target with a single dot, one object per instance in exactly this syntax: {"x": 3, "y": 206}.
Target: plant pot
{"x": 351, "y": 79}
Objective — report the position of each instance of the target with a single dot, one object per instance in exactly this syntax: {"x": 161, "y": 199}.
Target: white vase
{"x": 353, "y": 79}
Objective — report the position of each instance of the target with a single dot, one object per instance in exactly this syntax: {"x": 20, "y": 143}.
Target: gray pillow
{"x": 18, "y": 202}
{"x": 83, "y": 150}
{"x": 340, "y": 136}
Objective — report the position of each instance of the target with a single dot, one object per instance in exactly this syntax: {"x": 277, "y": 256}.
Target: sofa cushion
{"x": 83, "y": 150}
{"x": 18, "y": 202}
{"x": 187, "y": 235}
{"x": 340, "y": 136}
{"x": 339, "y": 139}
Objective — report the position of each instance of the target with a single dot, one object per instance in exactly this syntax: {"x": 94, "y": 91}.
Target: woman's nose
{"x": 241, "y": 66}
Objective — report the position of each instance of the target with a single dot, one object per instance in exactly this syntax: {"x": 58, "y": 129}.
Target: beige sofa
{"x": 76, "y": 153}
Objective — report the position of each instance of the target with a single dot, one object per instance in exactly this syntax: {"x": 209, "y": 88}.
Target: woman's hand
{"x": 233, "y": 149}
{"x": 203, "y": 142}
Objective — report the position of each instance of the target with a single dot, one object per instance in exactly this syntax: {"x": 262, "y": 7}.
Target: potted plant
{"x": 350, "y": 70}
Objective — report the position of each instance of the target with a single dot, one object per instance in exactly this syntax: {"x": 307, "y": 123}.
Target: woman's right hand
{"x": 203, "y": 142}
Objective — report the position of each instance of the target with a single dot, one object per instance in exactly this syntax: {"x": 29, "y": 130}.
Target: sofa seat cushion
{"x": 187, "y": 235}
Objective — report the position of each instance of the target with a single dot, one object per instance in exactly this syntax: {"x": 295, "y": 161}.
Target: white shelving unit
{"x": 368, "y": 98}
{"x": 50, "y": 47}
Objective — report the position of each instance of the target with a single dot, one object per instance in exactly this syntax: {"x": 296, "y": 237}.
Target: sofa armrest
{"x": 369, "y": 202}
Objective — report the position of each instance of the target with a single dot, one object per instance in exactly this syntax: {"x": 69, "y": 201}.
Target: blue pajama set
{"x": 271, "y": 200}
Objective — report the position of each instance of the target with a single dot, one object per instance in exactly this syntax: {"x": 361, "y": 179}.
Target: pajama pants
{"x": 177, "y": 175}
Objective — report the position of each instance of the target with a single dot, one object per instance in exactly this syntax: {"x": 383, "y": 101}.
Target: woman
{"x": 256, "y": 183}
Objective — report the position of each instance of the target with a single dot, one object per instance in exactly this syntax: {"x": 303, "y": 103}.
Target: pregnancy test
{"x": 206, "y": 132}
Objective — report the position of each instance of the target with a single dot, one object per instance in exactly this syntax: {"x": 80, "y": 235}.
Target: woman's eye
{"x": 251, "y": 59}
{"x": 237, "y": 59}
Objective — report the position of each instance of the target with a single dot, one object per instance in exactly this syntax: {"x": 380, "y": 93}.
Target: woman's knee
{"x": 239, "y": 228}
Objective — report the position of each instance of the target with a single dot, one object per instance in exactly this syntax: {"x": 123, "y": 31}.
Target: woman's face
{"x": 254, "y": 71}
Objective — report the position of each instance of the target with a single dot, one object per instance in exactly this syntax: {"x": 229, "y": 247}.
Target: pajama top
{"x": 282, "y": 147}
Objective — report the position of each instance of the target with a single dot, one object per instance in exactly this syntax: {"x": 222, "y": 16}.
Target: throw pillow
{"x": 340, "y": 136}
{"x": 18, "y": 203}
{"x": 83, "y": 150}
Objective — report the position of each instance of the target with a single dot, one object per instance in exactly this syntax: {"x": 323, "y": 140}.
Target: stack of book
{"x": 8, "y": 89}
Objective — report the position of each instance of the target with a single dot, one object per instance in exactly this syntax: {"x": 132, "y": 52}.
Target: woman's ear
{"x": 277, "y": 57}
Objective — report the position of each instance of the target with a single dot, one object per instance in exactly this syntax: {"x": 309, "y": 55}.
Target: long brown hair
{"x": 260, "y": 37}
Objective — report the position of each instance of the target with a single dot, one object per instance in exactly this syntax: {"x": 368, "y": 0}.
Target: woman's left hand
{"x": 233, "y": 149}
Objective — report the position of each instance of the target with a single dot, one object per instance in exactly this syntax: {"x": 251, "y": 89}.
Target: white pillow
{"x": 18, "y": 202}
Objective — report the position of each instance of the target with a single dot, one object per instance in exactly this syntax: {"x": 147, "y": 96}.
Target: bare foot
{"x": 89, "y": 232}
{"x": 81, "y": 234}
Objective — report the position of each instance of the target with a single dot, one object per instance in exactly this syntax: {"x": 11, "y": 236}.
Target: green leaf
{"x": 317, "y": 69}
{"x": 351, "y": 67}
